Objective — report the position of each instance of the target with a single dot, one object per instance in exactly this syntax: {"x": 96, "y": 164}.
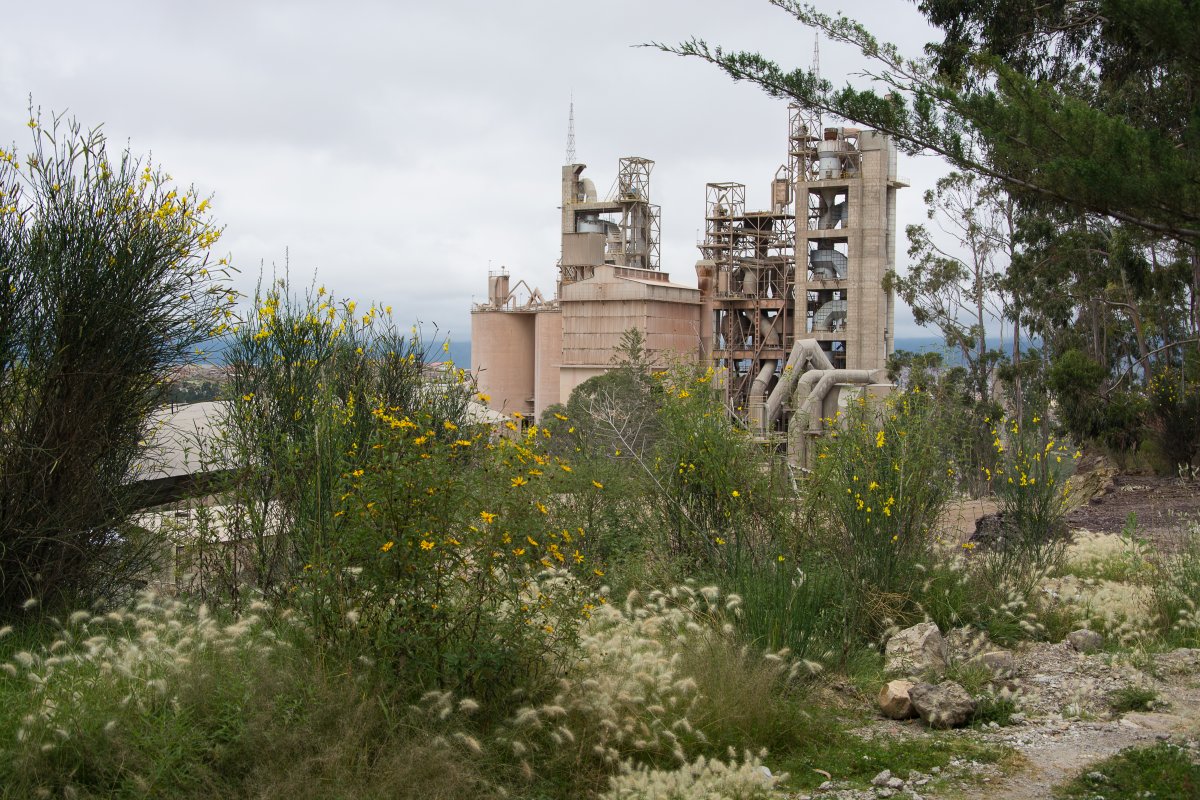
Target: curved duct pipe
{"x": 804, "y": 352}
{"x": 588, "y": 190}
{"x": 811, "y": 390}
{"x": 758, "y": 389}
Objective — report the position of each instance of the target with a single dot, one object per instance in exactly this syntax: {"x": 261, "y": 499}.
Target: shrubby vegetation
{"x": 106, "y": 283}
{"x": 630, "y": 597}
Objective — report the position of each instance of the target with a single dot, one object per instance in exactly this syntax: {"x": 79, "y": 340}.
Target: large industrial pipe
{"x": 758, "y": 389}
{"x": 804, "y": 351}
{"x": 811, "y": 390}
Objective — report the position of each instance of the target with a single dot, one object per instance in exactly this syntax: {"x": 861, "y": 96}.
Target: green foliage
{"x": 1043, "y": 136}
{"x": 106, "y": 285}
{"x": 1175, "y": 417}
{"x": 873, "y": 500}
{"x": 793, "y": 603}
{"x": 452, "y": 558}
{"x": 365, "y": 495}
{"x": 1163, "y": 770}
{"x": 1132, "y": 698}
{"x": 994, "y": 708}
{"x": 159, "y": 700}
{"x": 845, "y": 756}
{"x": 719, "y": 499}
{"x": 1031, "y": 485}
{"x": 693, "y": 488}
{"x": 1115, "y": 418}
{"x": 1175, "y": 589}
{"x": 303, "y": 375}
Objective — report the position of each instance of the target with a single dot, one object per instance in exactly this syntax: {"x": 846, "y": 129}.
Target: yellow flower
{"x": 542, "y": 508}
{"x": 487, "y": 517}
{"x": 879, "y": 439}
{"x": 598, "y": 484}
{"x": 560, "y": 417}
{"x": 519, "y": 481}
{"x": 387, "y": 546}
{"x": 483, "y": 398}
{"x": 450, "y": 426}
{"x": 720, "y": 540}
{"x": 426, "y": 544}
{"x": 780, "y": 559}
{"x": 735, "y": 493}
{"x": 577, "y": 557}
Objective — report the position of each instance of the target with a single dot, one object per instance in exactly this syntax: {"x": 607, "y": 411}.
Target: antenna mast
{"x": 816, "y": 67}
{"x": 571, "y": 133}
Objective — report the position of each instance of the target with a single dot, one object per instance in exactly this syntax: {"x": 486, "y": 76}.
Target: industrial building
{"x": 790, "y": 307}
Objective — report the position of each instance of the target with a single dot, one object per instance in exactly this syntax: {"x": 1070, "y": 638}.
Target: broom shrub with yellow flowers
{"x": 304, "y": 370}
{"x": 1031, "y": 483}
{"x": 107, "y": 284}
{"x": 880, "y": 480}
{"x": 1174, "y": 418}
{"x": 462, "y": 565}
{"x": 364, "y": 495}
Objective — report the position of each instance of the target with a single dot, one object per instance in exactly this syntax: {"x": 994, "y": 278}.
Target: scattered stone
{"x": 917, "y": 650}
{"x": 999, "y": 662}
{"x": 884, "y": 791}
{"x": 882, "y": 778}
{"x": 895, "y": 783}
{"x": 944, "y": 705}
{"x": 1085, "y": 641}
{"x": 894, "y": 701}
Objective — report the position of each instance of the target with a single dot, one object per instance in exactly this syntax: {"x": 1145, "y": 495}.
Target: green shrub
{"x": 453, "y": 554}
{"x": 106, "y": 285}
{"x": 1162, "y": 770}
{"x": 873, "y": 501}
{"x": 1133, "y": 698}
{"x": 1175, "y": 590}
{"x": 305, "y": 373}
{"x": 1175, "y": 417}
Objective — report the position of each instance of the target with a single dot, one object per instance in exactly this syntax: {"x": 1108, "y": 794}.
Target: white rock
{"x": 917, "y": 650}
{"x": 945, "y": 705}
{"x": 894, "y": 701}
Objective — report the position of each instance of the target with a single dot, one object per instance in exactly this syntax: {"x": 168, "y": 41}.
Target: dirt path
{"x": 1068, "y": 722}
{"x": 1055, "y": 747}
{"x": 1161, "y": 508}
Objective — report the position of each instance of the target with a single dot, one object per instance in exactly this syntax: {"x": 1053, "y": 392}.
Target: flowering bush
{"x": 1031, "y": 482}
{"x": 1175, "y": 417}
{"x": 107, "y": 283}
{"x": 453, "y": 555}
{"x": 880, "y": 482}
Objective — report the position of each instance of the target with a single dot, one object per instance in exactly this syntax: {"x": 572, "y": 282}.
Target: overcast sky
{"x": 398, "y": 150}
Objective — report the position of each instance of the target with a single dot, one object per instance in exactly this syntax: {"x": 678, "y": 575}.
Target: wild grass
{"x": 1162, "y": 770}
{"x": 1133, "y": 698}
